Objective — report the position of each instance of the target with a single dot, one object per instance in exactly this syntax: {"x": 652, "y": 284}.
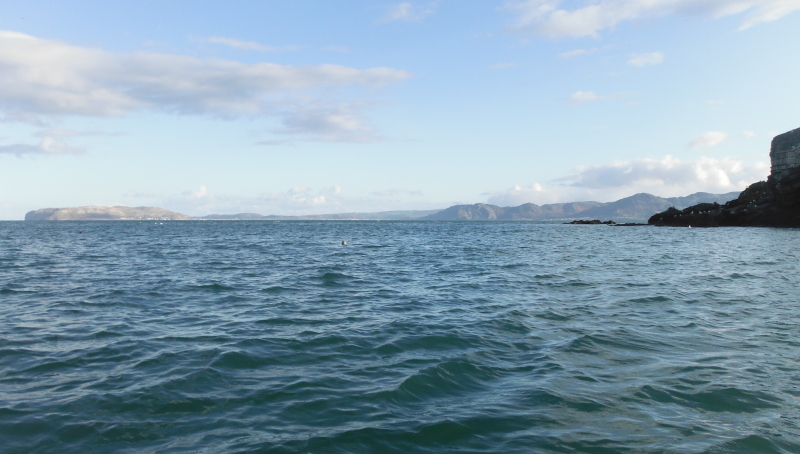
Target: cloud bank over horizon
{"x": 665, "y": 177}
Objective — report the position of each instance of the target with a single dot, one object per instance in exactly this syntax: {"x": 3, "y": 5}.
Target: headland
{"x": 771, "y": 203}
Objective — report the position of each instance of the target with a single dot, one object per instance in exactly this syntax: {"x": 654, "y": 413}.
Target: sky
{"x": 313, "y": 107}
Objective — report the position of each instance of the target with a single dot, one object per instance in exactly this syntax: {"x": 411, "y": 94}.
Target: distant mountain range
{"x": 379, "y": 216}
{"x": 636, "y": 208}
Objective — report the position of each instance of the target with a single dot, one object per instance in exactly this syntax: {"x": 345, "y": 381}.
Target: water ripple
{"x": 416, "y": 337}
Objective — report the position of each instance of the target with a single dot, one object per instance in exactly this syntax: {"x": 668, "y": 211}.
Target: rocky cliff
{"x": 784, "y": 153}
{"x": 98, "y": 213}
{"x": 771, "y": 203}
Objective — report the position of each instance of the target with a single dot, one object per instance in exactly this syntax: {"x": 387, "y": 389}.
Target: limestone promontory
{"x": 100, "y": 213}
{"x": 771, "y": 203}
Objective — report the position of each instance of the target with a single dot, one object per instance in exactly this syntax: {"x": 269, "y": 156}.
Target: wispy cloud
{"x": 62, "y": 133}
{"x": 577, "y": 53}
{"x": 48, "y": 146}
{"x": 45, "y": 78}
{"x": 582, "y": 97}
{"x": 590, "y": 17}
{"x": 248, "y": 45}
{"x": 408, "y": 12}
{"x": 342, "y": 123}
{"x": 646, "y": 59}
{"x": 708, "y": 139}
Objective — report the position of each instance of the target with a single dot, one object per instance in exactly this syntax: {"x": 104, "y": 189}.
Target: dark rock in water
{"x": 592, "y": 222}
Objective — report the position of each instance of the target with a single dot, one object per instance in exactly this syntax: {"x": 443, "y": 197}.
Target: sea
{"x": 415, "y": 337}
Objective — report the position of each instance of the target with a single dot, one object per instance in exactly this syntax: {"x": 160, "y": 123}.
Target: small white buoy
{"x": 690, "y": 226}
{"x": 344, "y": 243}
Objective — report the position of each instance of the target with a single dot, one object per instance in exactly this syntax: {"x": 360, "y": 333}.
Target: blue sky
{"x": 306, "y": 107}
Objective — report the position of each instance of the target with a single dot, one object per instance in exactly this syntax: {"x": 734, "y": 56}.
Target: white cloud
{"x": 301, "y": 196}
{"x": 583, "y": 97}
{"x": 708, "y": 139}
{"x": 724, "y": 173}
{"x": 407, "y": 12}
{"x": 651, "y": 58}
{"x": 547, "y": 17}
{"x": 49, "y": 145}
{"x": 577, "y": 53}
{"x": 46, "y": 78}
{"x": 200, "y": 193}
{"x": 298, "y": 200}
{"x": 535, "y": 193}
{"x": 248, "y": 45}
{"x": 340, "y": 124}
{"x": 59, "y": 132}
{"x": 666, "y": 177}
{"x": 749, "y": 134}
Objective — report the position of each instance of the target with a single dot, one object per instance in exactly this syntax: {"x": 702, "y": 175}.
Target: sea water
{"x": 493, "y": 337}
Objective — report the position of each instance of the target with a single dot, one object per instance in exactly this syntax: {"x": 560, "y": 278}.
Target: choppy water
{"x": 417, "y": 337}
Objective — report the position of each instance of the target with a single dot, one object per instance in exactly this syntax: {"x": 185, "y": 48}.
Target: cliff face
{"x": 784, "y": 153}
{"x": 97, "y": 213}
{"x": 771, "y": 203}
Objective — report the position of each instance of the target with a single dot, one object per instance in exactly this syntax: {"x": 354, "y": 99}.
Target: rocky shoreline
{"x": 771, "y": 203}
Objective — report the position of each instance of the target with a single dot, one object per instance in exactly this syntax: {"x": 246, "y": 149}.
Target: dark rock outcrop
{"x": 590, "y": 222}
{"x": 771, "y": 203}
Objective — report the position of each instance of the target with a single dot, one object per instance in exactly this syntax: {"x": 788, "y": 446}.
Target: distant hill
{"x": 636, "y": 208}
{"x": 379, "y": 216}
{"x": 526, "y": 212}
{"x": 97, "y": 213}
{"x": 702, "y": 197}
